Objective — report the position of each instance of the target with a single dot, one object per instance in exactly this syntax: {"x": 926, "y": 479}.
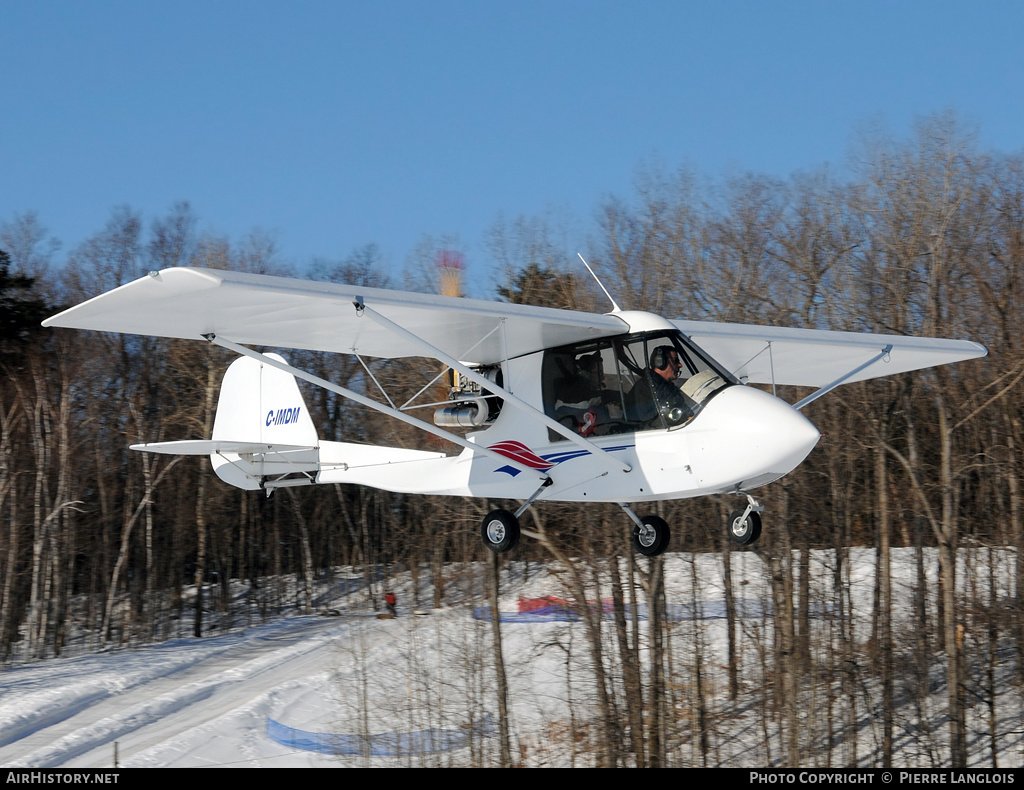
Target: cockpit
{"x": 646, "y": 381}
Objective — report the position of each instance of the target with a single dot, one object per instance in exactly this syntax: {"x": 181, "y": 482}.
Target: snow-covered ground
{"x": 419, "y": 690}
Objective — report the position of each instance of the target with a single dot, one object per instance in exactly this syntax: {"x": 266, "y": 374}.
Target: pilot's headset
{"x": 659, "y": 357}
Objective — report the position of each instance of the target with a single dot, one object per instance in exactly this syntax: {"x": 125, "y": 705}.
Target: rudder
{"x": 262, "y": 404}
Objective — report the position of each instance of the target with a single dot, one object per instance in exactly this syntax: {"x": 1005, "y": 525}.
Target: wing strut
{"x": 362, "y": 399}
{"x": 508, "y": 397}
{"x": 829, "y": 387}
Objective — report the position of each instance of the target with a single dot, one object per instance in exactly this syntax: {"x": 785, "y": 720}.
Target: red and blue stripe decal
{"x": 519, "y": 452}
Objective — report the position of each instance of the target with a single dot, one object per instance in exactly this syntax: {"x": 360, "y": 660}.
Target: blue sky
{"x": 335, "y": 124}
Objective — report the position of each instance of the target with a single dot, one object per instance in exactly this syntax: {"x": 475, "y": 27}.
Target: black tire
{"x": 744, "y": 532}
{"x": 653, "y": 539}
{"x": 500, "y": 531}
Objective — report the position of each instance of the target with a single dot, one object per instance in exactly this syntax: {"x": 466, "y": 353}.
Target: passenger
{"x": 582, "y": 402}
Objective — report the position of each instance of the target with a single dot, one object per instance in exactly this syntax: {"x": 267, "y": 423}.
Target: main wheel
{"x": 500, "y": 531}
{"x": 652, "y": 539}
{"x": 744, "y": 531}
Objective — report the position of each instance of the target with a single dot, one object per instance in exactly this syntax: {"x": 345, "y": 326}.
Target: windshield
{"x": 648, "y": 381}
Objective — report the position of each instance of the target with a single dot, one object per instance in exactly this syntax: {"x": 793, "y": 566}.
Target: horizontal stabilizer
{"x": 215, "y": 446}
{"x": 251, "y": 465}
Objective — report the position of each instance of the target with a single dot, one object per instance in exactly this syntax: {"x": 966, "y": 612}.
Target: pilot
{"x": 656, "y": 394}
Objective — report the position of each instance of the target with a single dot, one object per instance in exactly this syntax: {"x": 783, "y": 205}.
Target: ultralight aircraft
{"x": 624, "y": 407}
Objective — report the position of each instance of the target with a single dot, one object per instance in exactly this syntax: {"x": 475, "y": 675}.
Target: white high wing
{"x": 624, "y": 407}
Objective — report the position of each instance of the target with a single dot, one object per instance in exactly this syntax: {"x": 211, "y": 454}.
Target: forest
{"x": 924, "y": 236}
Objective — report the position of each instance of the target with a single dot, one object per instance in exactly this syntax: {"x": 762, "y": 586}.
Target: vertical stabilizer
{"x": 262, "y": 404}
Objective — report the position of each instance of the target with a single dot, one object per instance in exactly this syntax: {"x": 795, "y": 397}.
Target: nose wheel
{"x": 744, "y": 525}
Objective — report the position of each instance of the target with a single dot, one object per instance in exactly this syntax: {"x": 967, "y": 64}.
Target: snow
{"x": 420, "y": 690}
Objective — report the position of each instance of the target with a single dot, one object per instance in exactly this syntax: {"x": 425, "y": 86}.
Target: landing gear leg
{"x": 744, "y": 525}
{"x": 651, "y": 534}
{"x": 500, "y": 529}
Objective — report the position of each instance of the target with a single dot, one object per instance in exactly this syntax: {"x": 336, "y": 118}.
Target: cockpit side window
{"x": 583, "y": 389}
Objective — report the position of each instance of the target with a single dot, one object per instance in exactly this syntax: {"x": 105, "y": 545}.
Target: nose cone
{"x": 746, "y": 438}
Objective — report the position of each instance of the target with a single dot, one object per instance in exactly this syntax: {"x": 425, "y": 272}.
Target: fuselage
{"x": 694, "y": 433}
